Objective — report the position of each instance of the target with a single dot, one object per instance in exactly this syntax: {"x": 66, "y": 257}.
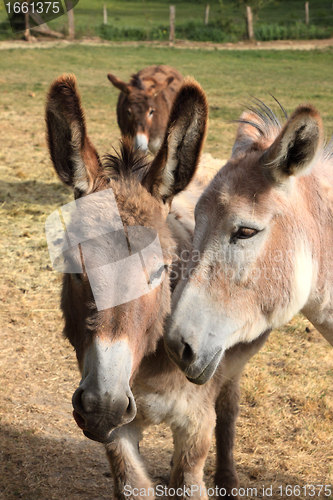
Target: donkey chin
{"x": 199, "y": 376}
{"x": 197, "y": 370}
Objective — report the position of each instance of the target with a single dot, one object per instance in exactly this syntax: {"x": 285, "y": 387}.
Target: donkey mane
{"x": 268, "y": 123}
{"x": 136, "y": 82}
{"x": 126, "y": 162}
{"x": 328, "y": 150}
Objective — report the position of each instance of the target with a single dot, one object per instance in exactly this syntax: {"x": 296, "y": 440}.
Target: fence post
{"x": 306, "y": 13}
{"x": 249, "y": 22}
{"x": 207, "y": 14}
{"x": 172, "y": 24}
{"x": 70, "y": 17}
{"x": 105, "y": 14}
{"x": 27, "y": 27}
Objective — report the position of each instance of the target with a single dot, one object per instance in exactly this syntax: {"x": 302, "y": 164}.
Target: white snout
{"x": 141, "y": 141}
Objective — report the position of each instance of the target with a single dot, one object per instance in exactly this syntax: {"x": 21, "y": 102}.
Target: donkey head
{"x": 111, "y": 337}
{"x": 137, "y": 105}
{"x": 252, "y": 266}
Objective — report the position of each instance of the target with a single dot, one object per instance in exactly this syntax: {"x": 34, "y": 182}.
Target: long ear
{"x": 74, "y": 157}
{"x": 295, "y": 148}
{"x": 176, "y": 161}
{"x": 156, "y": 87}
{"x": 119, "y": 84}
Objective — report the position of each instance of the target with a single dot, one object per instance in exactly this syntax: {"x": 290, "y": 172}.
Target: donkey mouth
{"x": 208, "y": 371}
{"x": 90, "y": 435}
{"x": 99, "y": 439}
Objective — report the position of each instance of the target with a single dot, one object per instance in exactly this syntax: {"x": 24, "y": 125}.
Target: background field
{"x": 284, "y": 433}
{"x": 149, "y": 19}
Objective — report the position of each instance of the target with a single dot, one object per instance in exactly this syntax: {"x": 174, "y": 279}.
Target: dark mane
{"x": 268, "y": 122}
{"x": 328, "y": 150}
{"x": 136, "y": 82}
{"x": 126, "y": 162}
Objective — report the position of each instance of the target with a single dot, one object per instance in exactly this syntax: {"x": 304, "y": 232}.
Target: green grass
{"x": 149, "y": 19}
{"x": 228, "y": 77}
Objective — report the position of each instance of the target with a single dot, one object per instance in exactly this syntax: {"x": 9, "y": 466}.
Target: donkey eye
{"x": 244, "y": 233}
{"x": 158, "y": 273}
{"x": 151, "y": 111}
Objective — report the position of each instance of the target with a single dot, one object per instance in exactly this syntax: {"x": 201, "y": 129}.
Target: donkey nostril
{"x": 76, "y": 399}
{"x": 188, "y": 355}
{"x": 84, "y": 401}
{"x": 79, "y": 420}
{"x": 129, "y": 407}
{"x": 130, "y": 411}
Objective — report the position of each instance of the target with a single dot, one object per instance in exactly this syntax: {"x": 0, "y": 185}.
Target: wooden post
{"x": 27, "y": 26}
{"x": 207, "y": 15}
{"x": 249, "y": 22}
{"x": 70, "y": 17}
{"x": 306, "y": 13}
{"x": 172, "y": 24}
{"x": 105, "y": 14}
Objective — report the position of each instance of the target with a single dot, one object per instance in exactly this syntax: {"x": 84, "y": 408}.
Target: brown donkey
{"x": 128, "y": 381}
{"x": 144, "y": 104}
{"x": 264, "y": 228}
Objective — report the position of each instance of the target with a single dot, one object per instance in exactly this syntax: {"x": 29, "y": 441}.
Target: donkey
{"x": 264, "y": 228}
{"x": 128, "y": 381}
{"x": 144, "y": 104}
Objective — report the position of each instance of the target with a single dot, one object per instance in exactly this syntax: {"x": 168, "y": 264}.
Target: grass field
{"x": 284, "y": 433}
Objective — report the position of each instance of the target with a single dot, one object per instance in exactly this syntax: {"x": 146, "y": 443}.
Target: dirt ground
{"x": 180, "y": 44}
{"x": 284, "y": 432}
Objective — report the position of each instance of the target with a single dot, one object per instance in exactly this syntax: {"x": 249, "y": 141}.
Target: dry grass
{"x": 284, "y": 433}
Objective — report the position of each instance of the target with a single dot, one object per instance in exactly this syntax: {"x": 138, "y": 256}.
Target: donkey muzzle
{"x": 197, "y": 367}
{"x": 141, "y": 142}
{"x": 98, "y": 416}
{"x": 104, "y": 400}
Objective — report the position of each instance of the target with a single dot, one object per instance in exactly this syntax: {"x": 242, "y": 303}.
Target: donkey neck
{"x": 317, "y": 218}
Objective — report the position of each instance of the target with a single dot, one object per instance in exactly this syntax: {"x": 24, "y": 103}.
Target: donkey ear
{"x": 74, "y": 157}
{"x": 295, "y": 148}
{"x": 176, "y": 161}
{"x": 119, "y": 84}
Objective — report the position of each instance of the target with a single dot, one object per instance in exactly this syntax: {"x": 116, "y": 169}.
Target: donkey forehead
{"x": 243, "y": 176}
{"x": 125, "y": 203}
{"x": 239, "y": 191}
{"x": 139, "y": 98}
{"x": 137, "y": 207}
